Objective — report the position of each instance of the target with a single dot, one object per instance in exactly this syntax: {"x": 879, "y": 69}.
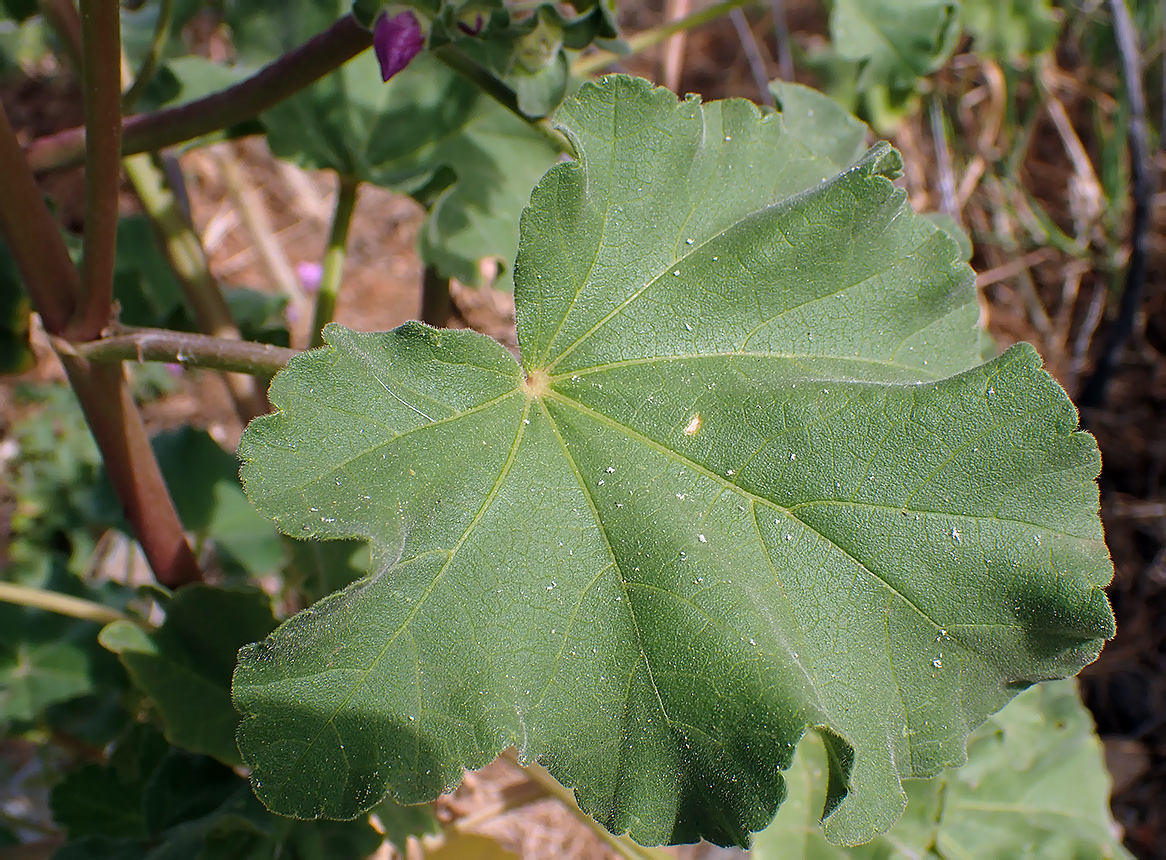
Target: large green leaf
{"x": 752, "y": 481}
{"x": 1009, "y": 800}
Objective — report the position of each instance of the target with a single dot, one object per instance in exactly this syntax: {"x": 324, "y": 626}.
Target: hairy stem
{"x": 653, "y": 36}
{"x": 334, "y": 256}
{"x": 62, "y": 604}
{"x": 101, "y": 83}
{"x": 33, "y": 238}
{"x": 286, "y": 76}
{"x": 129, "y": 343}
{"x": 188, "y": 259}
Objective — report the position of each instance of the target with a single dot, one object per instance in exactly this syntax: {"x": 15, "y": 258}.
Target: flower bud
{"x": 396, "y": 41}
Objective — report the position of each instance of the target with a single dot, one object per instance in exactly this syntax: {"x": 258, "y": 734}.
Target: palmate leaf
{"x": 748, "y": 480}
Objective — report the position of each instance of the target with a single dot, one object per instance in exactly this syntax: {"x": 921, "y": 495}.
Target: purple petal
{"x": 396, "y": 41}
{"x": 310, "y": 275}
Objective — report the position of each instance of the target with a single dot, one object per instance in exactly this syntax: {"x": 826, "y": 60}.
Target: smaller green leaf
{"x": 47, "y": 658}
{"x": 426, "y": 121}
{"x": 185, "y": 79}
{"x": 106, "y": 799}
{"x": 1034, "y": 786}
{"x": 186, "y": 665}
{"x": 401, "y": 821}
{"x": 821, "y": 123}
{"x": 897, "y": 41}
{"x": 34, "y": 675}
{"x": 1012, "y": 31}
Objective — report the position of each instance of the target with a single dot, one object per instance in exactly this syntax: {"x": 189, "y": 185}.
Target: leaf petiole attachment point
{"x": 536, "y": 383}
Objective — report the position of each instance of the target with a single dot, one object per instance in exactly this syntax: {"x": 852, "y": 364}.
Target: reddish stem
{"x": 133, "y": 470}
{"x": 101, "y": 79}
{"x": 294, "y": 71}
{"x": 33, "y": 237}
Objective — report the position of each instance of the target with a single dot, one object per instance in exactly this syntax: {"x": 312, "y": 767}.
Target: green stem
{"x": 62, "y": 604}
{"x": 653, "y": 36}
{"x": 33, "y": 237}
{"x": 101, "y": 82}
{"x": 286, "y": 76}
{"x": 128, "y": 343}
{"x": 153, "y": 54}
{"x": 436, "y": 304}
{"x": 500, "y": 91}
{"x": 334, "y": 257}
{"x": 188, "y": 259}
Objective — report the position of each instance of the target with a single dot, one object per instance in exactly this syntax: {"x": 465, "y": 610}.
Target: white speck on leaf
{"x": 693, "y": 425}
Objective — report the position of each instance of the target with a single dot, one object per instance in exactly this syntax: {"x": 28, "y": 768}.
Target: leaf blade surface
{"x": 771, "y": 492}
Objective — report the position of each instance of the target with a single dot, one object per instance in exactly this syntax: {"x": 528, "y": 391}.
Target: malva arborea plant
{"x": 751, "y": 540}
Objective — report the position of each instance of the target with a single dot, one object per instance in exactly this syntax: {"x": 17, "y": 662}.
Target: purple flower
{"x": 396, "y": 41}
{"x": 310, "y": 275}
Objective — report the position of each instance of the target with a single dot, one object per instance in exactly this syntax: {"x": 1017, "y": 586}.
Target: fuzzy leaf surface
{"x": 750, "y": 479}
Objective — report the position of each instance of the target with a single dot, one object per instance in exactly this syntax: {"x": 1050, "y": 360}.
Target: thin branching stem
{"x": 188, "y": 259}
{"x": 294, "y": 71}
{"x": 33, "y": 238}
{"x": 130, "y": 343}
{"x": 61, "y": 604}
{"x": 501, "y": 92}
{"x": 334, "y": 256}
